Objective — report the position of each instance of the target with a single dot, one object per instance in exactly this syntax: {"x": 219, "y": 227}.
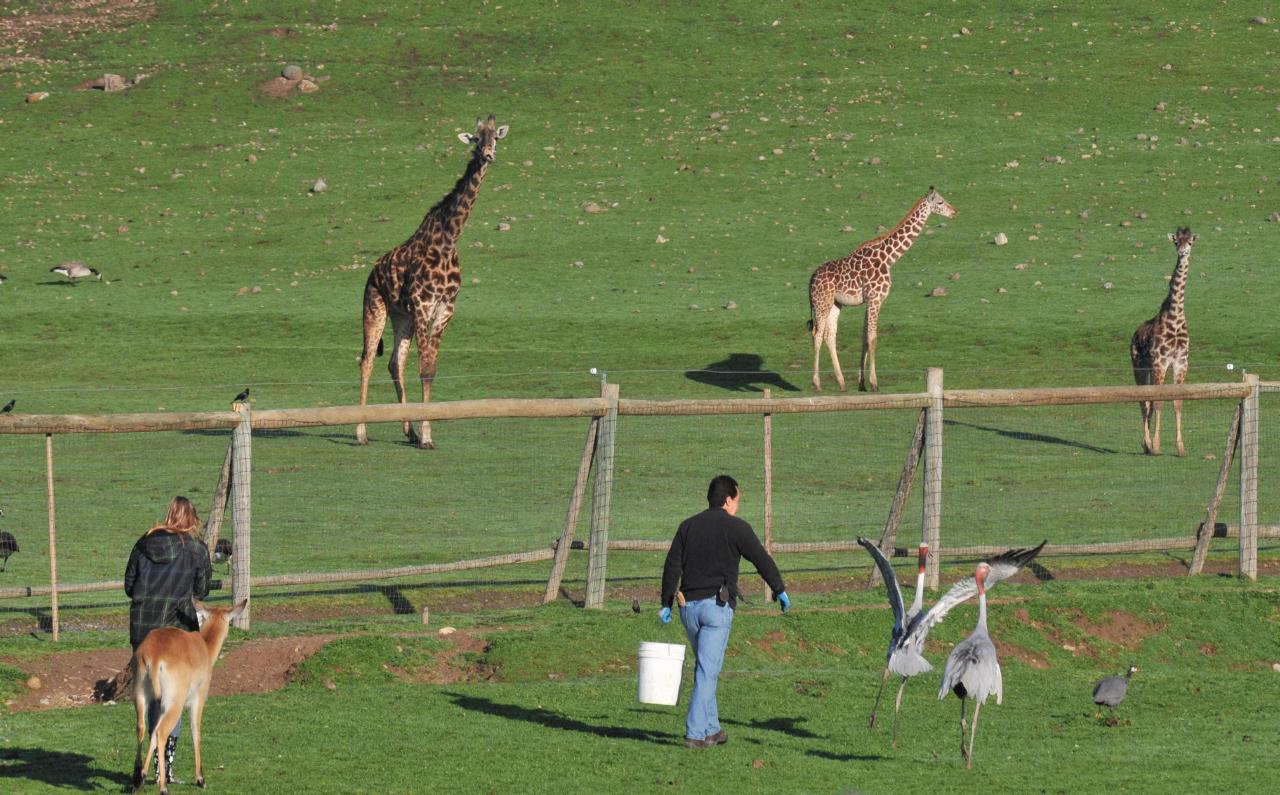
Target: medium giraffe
{"x": 863, "y": 277}
{"x": 416, "y": 283}
{"x": 1161, "y": 346}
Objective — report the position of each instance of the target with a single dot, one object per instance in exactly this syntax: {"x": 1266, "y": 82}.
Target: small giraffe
{"x": 1161, "y": 346}
{"x": 416, "y": 283}
{"x": 863, "y": 277}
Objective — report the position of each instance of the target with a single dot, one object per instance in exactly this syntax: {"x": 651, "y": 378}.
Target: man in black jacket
{"x": 703, "y": 564}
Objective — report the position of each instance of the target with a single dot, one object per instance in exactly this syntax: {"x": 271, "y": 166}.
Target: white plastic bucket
{"x": 661, "y": 668}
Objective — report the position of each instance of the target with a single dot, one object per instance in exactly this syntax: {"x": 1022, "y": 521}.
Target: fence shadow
{"x": 1022, "y": 436}
{"x": 740, "y": 372}
{"x": 554, "y": 720}
{"x": 57, "y": 769}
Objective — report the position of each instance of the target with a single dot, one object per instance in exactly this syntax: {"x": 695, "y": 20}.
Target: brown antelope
{"x": 174, "y": 667}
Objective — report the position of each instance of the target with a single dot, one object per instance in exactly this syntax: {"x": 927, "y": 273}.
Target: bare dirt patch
{"x": 257, "y": 666}
{"x": 23, "y": 30}
{"x": 1012, "y": 650}
{"x": 1119, "y": 627}
{"x": 450, "y": 666}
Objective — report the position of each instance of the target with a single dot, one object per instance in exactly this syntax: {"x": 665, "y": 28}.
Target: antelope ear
{"x": 502, "y": 132}
{"x": 467, "y": 138}
{"x": 202, "y": 612}
{"x": 1194, "y": 238}
{"x": 238, "y": 609}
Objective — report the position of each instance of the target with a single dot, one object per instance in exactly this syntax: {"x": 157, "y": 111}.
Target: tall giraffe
{"x": 1161, "y": 346}
{"x": 863, "y": 277}
{"x": 416, "y": 283}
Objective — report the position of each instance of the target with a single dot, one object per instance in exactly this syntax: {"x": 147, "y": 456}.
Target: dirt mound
{"x": 257, "y": 666}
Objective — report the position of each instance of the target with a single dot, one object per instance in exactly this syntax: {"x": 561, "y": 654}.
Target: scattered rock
{"x": 1258, "y": 21}
{"x": 592, "y": 207}
{"x": 1275, "y": 667}
{"x": 1274, "y": 218}
{"x": 1021, "y": 266}
{"x": 965, "y": 31}
{"x": 34, "y": 683}
{"x": 503, "y": 226}
{"x": 307, "y": 87}
{"x": 1012, "y": 164}
{"x": 716, "y": 115}
{"x": 1001, "y": 239}
{"x": 758, "y": 763}
{"x": 1160, "y": 106}
{"x": 319, "y": 186}
{"x": 955, "y": 277}
{"x": 984, "y": 300}
{"x": 37, "y": 96}
{"x": 256, "y": 289}
{"x": 1107, "y": 285}
{"x": 846, "y": 228}
{"x": 873, "y": 160}
{"x": 292, "y": 72}
{"x": 693, "y": 306}
{"x": 446, "y": 630}
{"x": 660, "y": 239}
{"x": 1001, "y": 291}
{"x": 731, "y": 305}
{"x": 252, "y": 158}
{"x": 690, "y": 269}
{"x": 937, "y": 292}
{"x": 1084, "y": 215}
{"x": 112, "y": 82}
{"x": 1210, "y": 457}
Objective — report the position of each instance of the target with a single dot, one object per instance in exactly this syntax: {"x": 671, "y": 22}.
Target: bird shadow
{"x": 785, "y": 725}
{"x": 56, "y": 283}
{"x": 1022, "y": 436}
{"x": 740, "y": 372}
{"x": 555, "y": 720}
{"x": 57, "y": 769}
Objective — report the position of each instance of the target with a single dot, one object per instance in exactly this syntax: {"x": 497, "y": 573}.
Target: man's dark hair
{"x": 722, "y": 488}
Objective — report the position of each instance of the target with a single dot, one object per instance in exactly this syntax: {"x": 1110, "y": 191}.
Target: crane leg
{"x": 973, "y": 732}
{"x": 871, "y": 724}
{"x": 897, "y": 709}
{"x": 964, "y": 752}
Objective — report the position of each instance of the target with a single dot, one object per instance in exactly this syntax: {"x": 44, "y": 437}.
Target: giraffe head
{"x": 485, "y": 138}
{"x": 1183, "y": 240}
{"x": 934, "y": 203}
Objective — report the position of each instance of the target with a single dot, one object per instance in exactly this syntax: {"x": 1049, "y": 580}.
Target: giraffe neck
{"x": 895, "y": 243}
{"x": 447, "y": 218}
{"x": 1173, "y": 304}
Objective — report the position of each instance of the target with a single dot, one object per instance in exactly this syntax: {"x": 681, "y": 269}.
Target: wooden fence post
{"x": 768, "y": 487}
{"x": 1207, "y": 528}
{"x": 53, "y": 535}
{"x": 213, "y": 522}
{"x": 241, "y": 505}
{"x": 598, "y": 560}
{"x": 932, "y": 519}
{"x": 1249, "y": 480}
{"x": 905, "y": 480}
{"x": 571, "y": 516}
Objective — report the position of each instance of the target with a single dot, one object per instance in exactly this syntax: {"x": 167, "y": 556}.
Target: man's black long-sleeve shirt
{"x": 705, "y": 553}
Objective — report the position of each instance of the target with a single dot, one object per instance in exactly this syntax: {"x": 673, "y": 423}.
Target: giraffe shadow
{"x": 740, "y": 372}
{"x": 1022, "y": 436}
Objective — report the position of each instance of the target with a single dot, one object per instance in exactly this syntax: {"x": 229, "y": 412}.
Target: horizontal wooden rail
{"x": 118, "y": 423}
{"x": 688, "y": 408}
{"x": 416, "y": 412}
{"x": 1080, "y": 395}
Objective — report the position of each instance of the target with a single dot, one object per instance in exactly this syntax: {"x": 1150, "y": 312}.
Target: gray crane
{"x": 1110, "y": 692}
{"x": 905, "y": 656}
{"x": 972, "y": 668}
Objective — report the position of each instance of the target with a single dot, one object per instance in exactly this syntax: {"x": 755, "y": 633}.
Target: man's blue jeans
{"x": 707, "y": 625}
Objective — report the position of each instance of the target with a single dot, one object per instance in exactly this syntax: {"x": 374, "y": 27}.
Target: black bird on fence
{"x": 8, "y": 546}
{"x": 242, "y": 397}
{"x": 1111, "y": 691}
{"x": 635, "y": 605}
{"x": 8, "y": 407}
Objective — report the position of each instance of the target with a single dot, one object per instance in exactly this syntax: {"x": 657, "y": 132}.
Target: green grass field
{"x": 756, "y": 140}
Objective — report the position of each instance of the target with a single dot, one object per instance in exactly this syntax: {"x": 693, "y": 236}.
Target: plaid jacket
{"x": 165, "y": 571}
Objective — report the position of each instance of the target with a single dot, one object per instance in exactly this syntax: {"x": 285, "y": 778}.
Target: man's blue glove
{"x": 784, "y": 601}
{"x": 664, "y": 615}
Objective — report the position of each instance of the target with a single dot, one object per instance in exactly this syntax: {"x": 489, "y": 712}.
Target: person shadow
{"x": 57, "y": 769}
{"x": 740, "y": 372}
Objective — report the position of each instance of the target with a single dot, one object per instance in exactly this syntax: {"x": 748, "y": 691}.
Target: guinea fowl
{"x": 1111, "y": 691}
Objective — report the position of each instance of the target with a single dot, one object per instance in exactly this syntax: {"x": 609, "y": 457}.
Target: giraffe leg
{"x": 1156, "y": 408}
{"x": 833, "y": 323}
{"x": 429, "y": 335}
{"x": 1179, "y": 376}
{"x": 375, "y": 319}
{"x": 871, "y": 723}
{"x": 973, "y": 732}
{"x": 403, "y": 329}
{"x": 819, "y": 334}
{"x": 867, "y": 373}
{"x": 897, "y": 710}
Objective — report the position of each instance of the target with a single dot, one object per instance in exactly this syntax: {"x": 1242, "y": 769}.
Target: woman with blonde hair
{"x": 168, "y": 567}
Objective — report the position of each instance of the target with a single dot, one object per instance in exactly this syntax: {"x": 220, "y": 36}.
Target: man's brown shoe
{"x": 719, "y": 738}
{"x": 689, "y": 742}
